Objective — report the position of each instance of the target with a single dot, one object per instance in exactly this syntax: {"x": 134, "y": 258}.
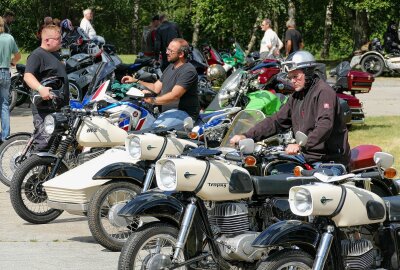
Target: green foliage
{"x": 219, "y": 20}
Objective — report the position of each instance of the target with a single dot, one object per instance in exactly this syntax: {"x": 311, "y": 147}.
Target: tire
{"x": 10, "y": 152}
{"x": 145, "y": 235}
{"x": 287, "y": 259}
{"x": 16, "y": 97}
{"x": 75, "y": 91}
{"x": 373, "y": 64}
{"x": 107, "y": 201}
{"x": 12, "y": 99}
{"x": 26, "y": 190}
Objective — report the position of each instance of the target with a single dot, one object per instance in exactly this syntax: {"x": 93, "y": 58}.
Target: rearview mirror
{"x": 134, "y": 92}
{"x": 384, "y": 160}
{"x": 188, "y": 123}
{"x": 301, "y": 138}
{"x": 246, "y": 146}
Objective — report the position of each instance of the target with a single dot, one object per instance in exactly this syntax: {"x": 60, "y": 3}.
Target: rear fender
{"x": 155, "y": 204}
{"x": 48, "y": 155}
{"x": 288, "y": 233}
{"x": 122, "y": 171}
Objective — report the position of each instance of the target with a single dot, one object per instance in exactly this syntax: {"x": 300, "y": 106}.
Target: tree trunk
{"x": 328, "y": 30}
{"x": 253, "y": 33}
{"x": 361, "y": 29}
{"x": 291, "y": 10}
{"x": 135, "y": 27}
{"x": 196, "y": 30}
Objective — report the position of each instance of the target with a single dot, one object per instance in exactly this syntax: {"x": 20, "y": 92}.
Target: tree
{"x": 328, "y": 30}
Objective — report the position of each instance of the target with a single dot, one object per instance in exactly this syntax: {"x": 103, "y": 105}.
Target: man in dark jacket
{"x": 312, "y": 109}
{"x": 166, "y": 32}
{"x": 392, "y": 42}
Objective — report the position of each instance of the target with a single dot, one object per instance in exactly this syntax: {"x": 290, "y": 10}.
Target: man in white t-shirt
{"x": 270, "y": 43}
{"x": 87, "y": 27}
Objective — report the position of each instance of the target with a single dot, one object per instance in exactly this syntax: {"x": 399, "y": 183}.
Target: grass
{"x": 382, "y": 131}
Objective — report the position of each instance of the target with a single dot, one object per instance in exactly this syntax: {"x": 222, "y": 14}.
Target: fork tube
{"x": 149, "y": 177}
{"x": 185, "y": 227}
{"x": 323, "y": 249}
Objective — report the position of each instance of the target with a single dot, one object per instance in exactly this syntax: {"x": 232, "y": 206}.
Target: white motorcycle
{"x": 376, "y": 61}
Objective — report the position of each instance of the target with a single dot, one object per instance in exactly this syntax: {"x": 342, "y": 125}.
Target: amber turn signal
{"x": 390, "y": 173}
{"x": 250, "y": 161}
{"x": 297, "y": 171}
{"x": 193, "y": 135}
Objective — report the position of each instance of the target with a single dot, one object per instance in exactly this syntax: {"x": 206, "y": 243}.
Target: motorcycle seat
{"x": 392, "y": 207}
{"x": 276, "y": 184}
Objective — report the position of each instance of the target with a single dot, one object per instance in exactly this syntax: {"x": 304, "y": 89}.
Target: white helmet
{"x": 299, "y": 60}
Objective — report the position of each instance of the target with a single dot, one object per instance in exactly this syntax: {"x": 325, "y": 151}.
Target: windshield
{"x": 239, "y": 53}
{"x": 242, "y": 122}
{"x": 230, "y": 87}
{"x": 217, "y": 56}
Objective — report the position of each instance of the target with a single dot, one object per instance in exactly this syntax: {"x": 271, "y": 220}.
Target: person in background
{"x": 166, "y": 32}
{"x": 41, "y": 64}
{"x": 9, "y": 18}
{"x": 8, "y": 47}
{"x": 87, "y": 27}
{"x": 392, "y": 43}
{"x": 46, "y": 21}
{"x": 313, "y": 109}
{"x": 177, "y": 87}
{"x": 270, "y": 43}
{"x": 56, "y": 21}
{"x": 293, "y": 38}
{"x": 149, "y": 36}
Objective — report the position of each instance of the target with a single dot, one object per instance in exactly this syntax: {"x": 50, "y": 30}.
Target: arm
{"x": 33, "y": 83}
{"x": 16, "y": 58}
{"x": 174, "y": 95}
{"x": 288, "y": 47}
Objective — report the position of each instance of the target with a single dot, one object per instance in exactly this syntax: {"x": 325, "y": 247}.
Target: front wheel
{"x": 151, "y": 247}
{"x": 11, "y": 156}
{"x": 373, "y": 64}
{"x": 28, "y": 197}
{"x": 287, "y": 259}
{"x": 110, "y": 230}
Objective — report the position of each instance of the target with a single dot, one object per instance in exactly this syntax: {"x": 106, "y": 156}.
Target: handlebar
{"x": 233, "y": 157}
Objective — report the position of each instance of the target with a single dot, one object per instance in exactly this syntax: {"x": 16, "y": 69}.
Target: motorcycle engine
{"x": 358, "y": 254}
{"x": 231, "y": 222}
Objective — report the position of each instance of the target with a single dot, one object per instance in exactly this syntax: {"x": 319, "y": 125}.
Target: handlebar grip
{"x": 370, "y": 174}
{"x": 308, "y": 172}
{"x": 146, "y": 95}
{"x": 181, "y": 134}
{"x": 233, "y": 157}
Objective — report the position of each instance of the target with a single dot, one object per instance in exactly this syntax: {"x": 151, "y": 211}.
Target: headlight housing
{"x": 229, "y": 87}
{"x": 301, "y": 202}
{"x": 55, "y": 122}
{"x": 168, "y": 179}
{"x": 133, "y": 147}
{"x": 49, "y": 124}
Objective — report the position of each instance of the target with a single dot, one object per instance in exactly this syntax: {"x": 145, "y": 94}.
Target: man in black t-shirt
{"x": 293, "y": 38}
{"x": 41, "y": 64}
{"x": 177, "y": 87}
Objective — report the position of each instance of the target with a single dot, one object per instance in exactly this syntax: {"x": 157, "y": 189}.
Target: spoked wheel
{"x": 110, "y": 230}
{"x": 287, "y": 260}
{"x": 74, "y": 91}
{"x": 373, "y": 64}
{"x": 151, "y": 247}
{"x": 10, "y": 156}
{"x": 28, "y": 197}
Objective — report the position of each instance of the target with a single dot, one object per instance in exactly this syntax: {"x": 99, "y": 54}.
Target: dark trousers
{"x": 41, "y": 140}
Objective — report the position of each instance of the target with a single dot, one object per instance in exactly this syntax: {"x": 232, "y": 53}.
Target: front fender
{"x": 122, "y": 170}
{"x": 156, "y": 204}
{"x": 18, "y": 134}
{"x": 288, "y": 233}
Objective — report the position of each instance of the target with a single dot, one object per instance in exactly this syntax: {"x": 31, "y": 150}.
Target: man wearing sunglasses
{"x": 41, "y": 64}
{"x": 177, "y": 87}
{"x": 313, "y": 109}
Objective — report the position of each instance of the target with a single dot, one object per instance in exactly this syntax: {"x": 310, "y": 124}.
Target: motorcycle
{"x": 375, "y": 61}
{"x": 235, "y": 59}
{"x": 348, "y": 227}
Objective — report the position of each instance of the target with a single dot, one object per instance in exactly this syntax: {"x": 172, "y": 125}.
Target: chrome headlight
{"x": 230, "y": 87}
{"x": 168, "y": 179}
{"x": 49, "y": 124}
{"x": 302, "y": 202}
{"x": 133, "y": 147}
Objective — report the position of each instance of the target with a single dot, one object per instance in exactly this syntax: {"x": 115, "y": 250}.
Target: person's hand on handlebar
{"x": 235, "y": 139}
{"x": 128, "y": 79}
{"x": 292, "y": 149}
{"x": 45, "y": 93}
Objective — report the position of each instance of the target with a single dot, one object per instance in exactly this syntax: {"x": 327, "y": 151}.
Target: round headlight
{"x": 134, "y": 147}
{"x": 168, "y": 176}
{"x": 302, "y": 200}
{"x": 49, "y": 124}
{"x": 223, "y": 98}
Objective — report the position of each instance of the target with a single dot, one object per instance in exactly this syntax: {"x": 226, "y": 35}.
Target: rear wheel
{"x": 28, "y": 197}
{"x": 373, "y": 64}
{"x": 10, "y": 156}
{"x": 110, "y": 230}
{"x": 287, "y": 260}
{"x": 74, "y": 91}
{"x": 151, "y": 247}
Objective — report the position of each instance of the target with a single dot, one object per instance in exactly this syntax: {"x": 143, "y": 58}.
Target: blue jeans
{"x": 5, "y": 83}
